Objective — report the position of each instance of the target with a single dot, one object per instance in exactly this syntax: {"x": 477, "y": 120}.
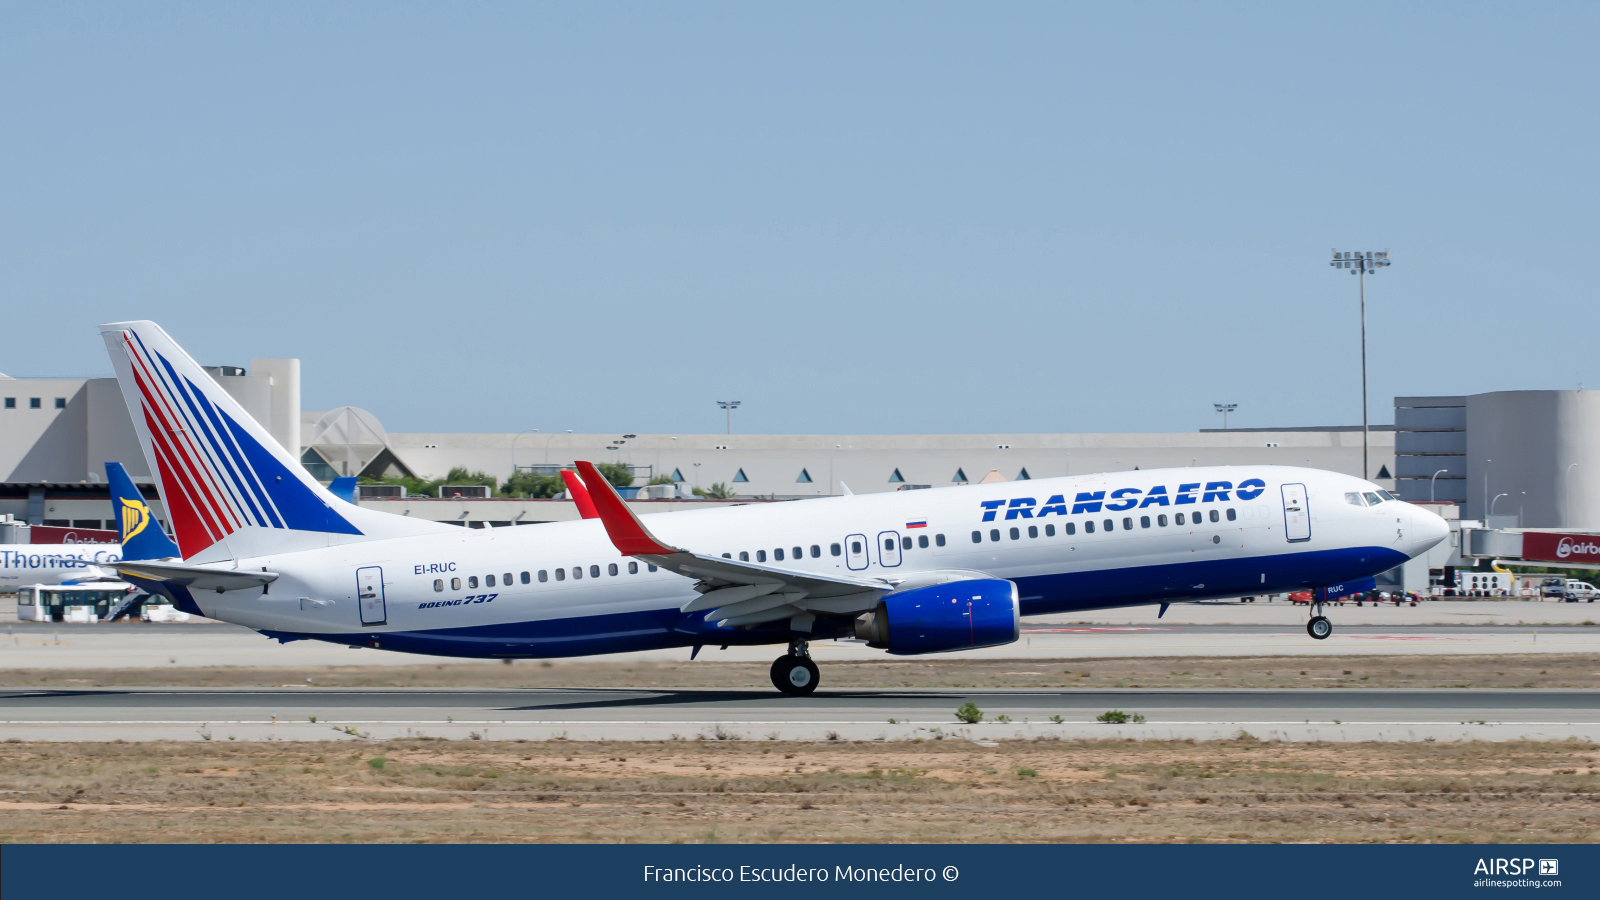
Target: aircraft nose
{"x": 1427, "y": 529}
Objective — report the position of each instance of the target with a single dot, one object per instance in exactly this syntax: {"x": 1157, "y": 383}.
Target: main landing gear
{"x": 794, "y": 673}
{"x": 1319, "y": 627}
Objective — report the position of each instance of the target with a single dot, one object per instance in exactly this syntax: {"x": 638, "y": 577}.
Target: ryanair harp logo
{"x": 135, "y": 516}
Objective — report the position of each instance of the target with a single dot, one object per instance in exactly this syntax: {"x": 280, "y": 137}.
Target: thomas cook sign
{"x": 1577, "y": 548}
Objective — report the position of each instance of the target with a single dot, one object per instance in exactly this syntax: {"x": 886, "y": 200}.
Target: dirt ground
{"x": 953, "y": 790}
{"x": 1578, "y": 670}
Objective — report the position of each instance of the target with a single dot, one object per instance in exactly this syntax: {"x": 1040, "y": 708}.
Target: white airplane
{"x": 265, "y": 546}
{"x": 56, "y": 563}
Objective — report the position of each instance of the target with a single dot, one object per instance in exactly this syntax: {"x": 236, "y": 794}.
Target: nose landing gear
{"x": 1319, "y": 627}
{"x": 794, "y": 673}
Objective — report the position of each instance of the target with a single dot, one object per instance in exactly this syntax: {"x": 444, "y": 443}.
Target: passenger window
{"x": 1015, "y": 534}
{"x": 799, "y": 554}
{"x": 1161, "y": 520}
{"x": 472, "y": 581}
{"x": 744, "y": 556}
{"x": 977, "y": 537}
{"x": 525, "y": 578}
{"x": 994, "y": 534}
{"x": 611, "y": 569}
{"x": 594, "y": 571}
{"x": 561, "y": 574}
{"x": 1110, "y": 525}
{"x": 488, "y": 581}
{"x": 833, "y": 549}
{"x": 727, "y": 556}
{"x": 438, "y": 584}
{"x": 544, "y": 575}
{"x": 1215, "y": 517}
{"x": 1178, "y": 518}
{"x": 938, "y": 540}
{"x": 1049, "y": 531}
{"x": 816, "y": 551}
{"x": 1144, "y": 521}
{"x": 1033, "y": 531}
{"x": 922, "y": 541}
{"x": 888, "y": 543}
{"x": 777, "y": 555}
{"x": 855, "y": 546}
{"x": 761, "y": 556}
{"x": 506, "y": 580}
{"x": 1232, "y": 515}
{"x": 650, "y": 566}
{"x": 905, "y": 543}
{"x": 455, "y": 584}
{"x": 577, "y": 572}
{"x": 1127, "y": 523}
{"x": 633, "y": 568}
{"x": 1070, "y": 528}
{"x": 1088, "y": 527}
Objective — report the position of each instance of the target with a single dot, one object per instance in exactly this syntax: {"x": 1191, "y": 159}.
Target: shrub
{"x": 969, "y": 713}
{"x": 1118, "y": 717}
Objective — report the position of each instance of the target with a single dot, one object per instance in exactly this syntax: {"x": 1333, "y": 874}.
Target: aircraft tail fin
{"x": 229, "y": 489}
{"x": 142, "y": 537}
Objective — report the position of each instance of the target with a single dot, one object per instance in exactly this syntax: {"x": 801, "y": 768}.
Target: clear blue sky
{"x": 853, "y": 217}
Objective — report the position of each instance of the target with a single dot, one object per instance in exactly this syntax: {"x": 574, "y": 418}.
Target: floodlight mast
{"x": 730, "y": 406}
{"x": 1360, "y": 262}
{"x": 1225, "y": 408}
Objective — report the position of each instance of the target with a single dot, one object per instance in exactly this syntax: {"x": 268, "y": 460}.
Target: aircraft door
{"x": 889, "y": 549}
{"x": 1296, "y": 513}
{"x": 369, "y": 592}
{"x": 855, "y": 552}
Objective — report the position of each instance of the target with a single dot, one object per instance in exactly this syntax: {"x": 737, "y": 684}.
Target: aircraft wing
{"x": 202, "y": 578}
{"x": 735, "y": 592}
{"x": 579, "y": 494}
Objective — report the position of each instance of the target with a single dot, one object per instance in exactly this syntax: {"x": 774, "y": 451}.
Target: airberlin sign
{"x": 1578, "y": 548}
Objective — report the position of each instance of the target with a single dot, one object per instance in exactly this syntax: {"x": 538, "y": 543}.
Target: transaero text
{"x": 796, "y": 873}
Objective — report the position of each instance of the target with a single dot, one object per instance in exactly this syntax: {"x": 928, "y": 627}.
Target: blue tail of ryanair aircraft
{"x": 142, "y": 537}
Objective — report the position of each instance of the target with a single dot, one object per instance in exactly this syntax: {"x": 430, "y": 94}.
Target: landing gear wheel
{"x": 1319, "y": 627}
{"x": 795, "y": 675}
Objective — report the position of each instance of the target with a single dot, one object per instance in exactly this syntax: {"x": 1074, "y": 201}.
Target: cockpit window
{"x": 1354, "y": 500}
{"x": 1387, "y": 496}
{"x": 1372, "y": 499}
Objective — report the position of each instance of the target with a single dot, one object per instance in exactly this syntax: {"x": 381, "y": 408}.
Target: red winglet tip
{"x": 624, "y": 528}
{"x": 579, "y": 494}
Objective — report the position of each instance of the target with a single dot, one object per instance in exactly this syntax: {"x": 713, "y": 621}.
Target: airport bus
{"x": 89, "y": 603}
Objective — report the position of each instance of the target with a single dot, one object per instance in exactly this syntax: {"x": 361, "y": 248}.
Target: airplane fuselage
{"x": 1071, "y": 543}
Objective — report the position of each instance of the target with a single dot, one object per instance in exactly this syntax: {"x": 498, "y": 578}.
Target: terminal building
{"x": 1515, "y": 458}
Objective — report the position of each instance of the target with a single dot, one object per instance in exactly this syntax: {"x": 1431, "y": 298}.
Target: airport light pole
{"x": 1225, "y": 408}
{"x": 730, "y": 406}
{"x": 547, "y": 446}
{"x": 1359, "y": 263}
{"x": 1431, "y": 497}
{"x": 1491, "y": 508}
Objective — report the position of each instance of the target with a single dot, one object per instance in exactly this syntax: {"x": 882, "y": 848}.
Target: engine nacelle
{"x": 958, "y": 615}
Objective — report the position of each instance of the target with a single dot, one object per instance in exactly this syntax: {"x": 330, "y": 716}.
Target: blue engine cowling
{"x": 958, "y": 615}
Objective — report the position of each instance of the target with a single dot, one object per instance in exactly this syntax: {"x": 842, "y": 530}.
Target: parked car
{"x": 1553, "y": 587}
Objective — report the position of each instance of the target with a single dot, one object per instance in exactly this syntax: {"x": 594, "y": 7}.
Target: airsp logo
{"x": 1549, "y": 867}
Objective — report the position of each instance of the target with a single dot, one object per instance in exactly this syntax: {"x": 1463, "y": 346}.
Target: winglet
{"x": 626, "y": 531}
{"x": 579, "y": 494}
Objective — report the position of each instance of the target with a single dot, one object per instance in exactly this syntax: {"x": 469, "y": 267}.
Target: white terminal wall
{"x": 1542, "y": 449}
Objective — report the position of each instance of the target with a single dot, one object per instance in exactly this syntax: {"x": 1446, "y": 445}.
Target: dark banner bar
{"x": 586, "y": 872}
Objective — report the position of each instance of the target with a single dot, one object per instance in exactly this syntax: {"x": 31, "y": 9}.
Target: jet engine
{"x": 957, "y": 615}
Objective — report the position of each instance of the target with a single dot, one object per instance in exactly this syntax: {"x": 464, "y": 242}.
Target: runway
{"x": 668, "y": 714}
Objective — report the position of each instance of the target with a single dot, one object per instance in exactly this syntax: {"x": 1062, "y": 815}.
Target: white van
{"x": 1580, "y": 590}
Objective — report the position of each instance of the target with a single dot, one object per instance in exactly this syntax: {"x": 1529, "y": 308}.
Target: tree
{"x": 527, "y": 484}
{"x": 662, "y": 479}
{"x": 619, "y": 474}
{"x": 718, "y": 491}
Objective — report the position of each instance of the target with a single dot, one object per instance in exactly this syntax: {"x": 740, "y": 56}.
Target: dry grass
{"x": 1573, "y": 670}
{"x": 435, "y": 791}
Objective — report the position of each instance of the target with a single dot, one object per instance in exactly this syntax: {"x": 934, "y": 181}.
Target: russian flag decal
{"x": 918, "y": 523}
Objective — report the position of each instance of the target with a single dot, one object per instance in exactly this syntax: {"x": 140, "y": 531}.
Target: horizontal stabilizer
{"x": 201, "y": 578}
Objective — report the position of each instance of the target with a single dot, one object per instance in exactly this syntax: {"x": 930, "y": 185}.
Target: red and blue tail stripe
{"x": 217, "y": 477}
